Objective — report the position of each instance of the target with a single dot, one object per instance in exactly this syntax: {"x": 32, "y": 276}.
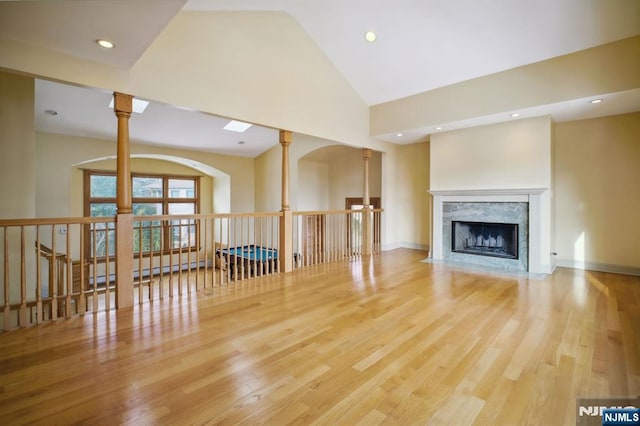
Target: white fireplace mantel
{"x": 539, "y": 218}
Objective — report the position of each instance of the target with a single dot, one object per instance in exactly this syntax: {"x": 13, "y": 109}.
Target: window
{"x": 151, "y": 195}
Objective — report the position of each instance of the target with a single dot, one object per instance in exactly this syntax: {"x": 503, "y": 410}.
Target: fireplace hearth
{"x": 485, "y": 238}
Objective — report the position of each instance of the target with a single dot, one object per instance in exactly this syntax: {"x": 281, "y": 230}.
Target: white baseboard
{"x": 602, "y": 267}
{"x": 414, "y": 246}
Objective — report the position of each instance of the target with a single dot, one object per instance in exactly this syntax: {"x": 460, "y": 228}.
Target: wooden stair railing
{"x": 58, "y": 264}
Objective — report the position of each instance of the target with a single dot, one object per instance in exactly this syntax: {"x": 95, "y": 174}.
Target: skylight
{"x": 138, "y": 105}
{"x": 237, "y": 126}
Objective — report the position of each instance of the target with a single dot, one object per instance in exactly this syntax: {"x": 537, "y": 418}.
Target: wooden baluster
{"x": 224, "y": 262}
{"x": 107, "y": 271}
{"x": 197, "y": 225}
{"x": 235, "y": 244}
{"x": 179, "y": 264}
{"x": 216, "y": 244}
{"x": 230, "y": 245}
{"x": 94, "y": 232}
{"x": 316, "y": 238}
{"x": 272, "y": 243}
{"x": 83, "y": 296}
{"x": 189, "y": 250}
{"x": 205, "y": 234}
{"x": 39, "y": 318}
{"x": 258, "y": 258}
{"x": 188, "y": 253}
{"x": 22, "y": 318}
{"x": 248, "y": 239}
{"x": 246, "y": 263}
{"x": 67, "y": 263}
{"x": 151, "y": 262}
{"x": 331, "y": 236}
{"x": 107, "y": 294}
{"x": 242, "y": 244}
{"x": 138, "y": 224}
{"x": 169, "y": 229}
{"x": 213, "y": 251}
{"x": 196, "y": 243}
{"x": 338, "y": 236}
{"x": 7, "y": 293}
{"x": 321, "y": 240}
{"x": 275, "y": 263}
{"x": 161, "y": 276}
{"x": 53, "y": 286}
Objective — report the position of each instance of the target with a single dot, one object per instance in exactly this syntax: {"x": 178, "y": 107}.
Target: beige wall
{"x": 515, "y": 154}
{"x": 314, "y": 185}
{"x": 598, "y": 192}
{"x": 346, "y": 177}
{"x": 17, "y": 147}
{"x": 268, "y": 166}
{"x": 269, "y": 180}
{"x": 406, "y": 220}
{"x": 17, "y": 180}
{"x": 311, "y": 184}
{"x": 413, "y": 199}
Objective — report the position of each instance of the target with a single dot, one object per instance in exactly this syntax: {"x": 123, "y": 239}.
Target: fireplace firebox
{"x": 485, "y": 239}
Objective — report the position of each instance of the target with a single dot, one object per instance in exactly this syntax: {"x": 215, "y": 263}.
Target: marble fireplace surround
{"x": 532, "y": 196}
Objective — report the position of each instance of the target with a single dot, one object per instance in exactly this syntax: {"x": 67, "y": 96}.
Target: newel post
{"x": 122, "y": 106}
{"x": 367, "y": 220}
{"x": 286, "y": 220}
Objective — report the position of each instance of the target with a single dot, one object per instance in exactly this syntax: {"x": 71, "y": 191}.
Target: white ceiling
{"x": 72, "y": 27}
{"x": 425, "y": 44}
{"x": 85, "y": 112}
{"x": 421, "y": 45}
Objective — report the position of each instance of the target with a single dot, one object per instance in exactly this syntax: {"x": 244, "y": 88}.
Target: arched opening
{"x": 215, "y": 187}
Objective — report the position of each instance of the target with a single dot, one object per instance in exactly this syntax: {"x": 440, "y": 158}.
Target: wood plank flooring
{"x": 386, "y": 340}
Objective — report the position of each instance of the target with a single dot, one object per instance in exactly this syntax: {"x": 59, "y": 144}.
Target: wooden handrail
{"x": 202, "y": 216}
{"x": 327, "y": 212}
{"x": 110, "y": 219}
{"x": 56, "y": 221}
{"x": 45, "y": 251}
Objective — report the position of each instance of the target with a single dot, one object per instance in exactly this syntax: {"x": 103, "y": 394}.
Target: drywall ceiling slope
{"x": 72, "y": 27}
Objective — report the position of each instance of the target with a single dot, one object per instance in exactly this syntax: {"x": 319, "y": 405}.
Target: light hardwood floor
{"x": 384, "y": 340}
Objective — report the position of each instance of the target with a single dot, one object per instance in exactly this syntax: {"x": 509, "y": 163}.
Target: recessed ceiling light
{"x": 439, "y": 128}
{"x": 370, "y": 36}
{"x": 237, "y": 126}
{"x": 596, "y": 101}
{"x": 138, "y": 105}
{"x": 51, "y": 112}
{"x": 515, "y": 114}
{"x": 105, "y": 43}
{"x": 399, "y": 134}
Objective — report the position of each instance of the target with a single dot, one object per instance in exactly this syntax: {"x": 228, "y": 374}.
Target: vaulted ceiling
{"x": 421, "y": 45}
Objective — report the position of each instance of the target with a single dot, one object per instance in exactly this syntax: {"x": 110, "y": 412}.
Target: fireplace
{"x": 500, "y": 230}
{"x": 485, "y": 238}
{"x": 529, "y": 208}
